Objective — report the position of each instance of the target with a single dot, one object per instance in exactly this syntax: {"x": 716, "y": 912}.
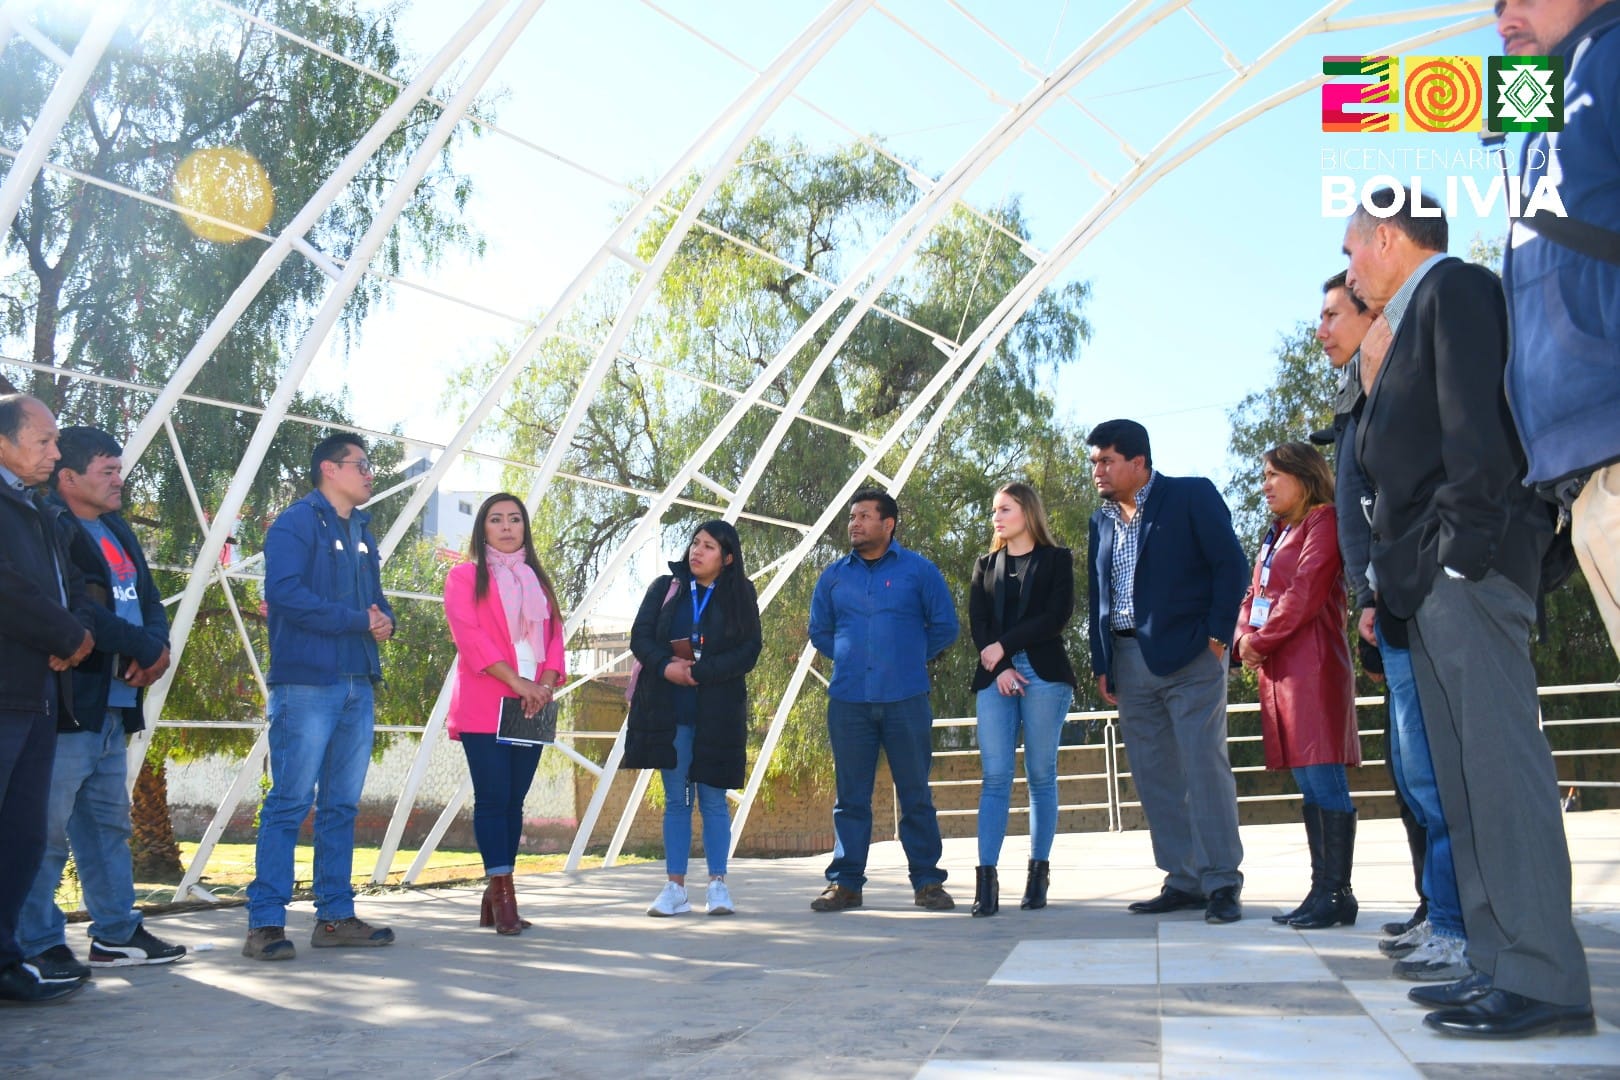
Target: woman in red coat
{"x": 1291, "y": 632}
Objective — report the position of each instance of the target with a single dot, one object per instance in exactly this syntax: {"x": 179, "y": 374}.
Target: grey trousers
{"x": 1498, "y": 789}
{"x": 1175, "y": 734}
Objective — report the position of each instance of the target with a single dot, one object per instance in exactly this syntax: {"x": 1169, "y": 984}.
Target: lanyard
{"x": 1268, "y": 551}
{"x": 697, "y": 608}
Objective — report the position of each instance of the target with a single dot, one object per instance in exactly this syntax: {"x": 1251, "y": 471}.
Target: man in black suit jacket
{"x": 1456, "y": 550}
{"x": 43, "y": 634}
{"x": 1167, "y": 578}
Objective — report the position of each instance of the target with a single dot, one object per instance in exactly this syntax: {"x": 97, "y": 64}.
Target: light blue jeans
{"x": 89, "y": 811}
{"x": 1326, "y": 786}
{"x": 1413, "y": 770}
{"x": 320, "y": 748}
{"x": 1038, "y": 715}
{"x": 678, "y": 798}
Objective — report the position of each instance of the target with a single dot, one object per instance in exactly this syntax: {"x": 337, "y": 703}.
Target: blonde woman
{"x": 1021, "y": 600}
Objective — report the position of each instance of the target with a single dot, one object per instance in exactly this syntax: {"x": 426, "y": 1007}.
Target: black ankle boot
{"x": 986, "y": 891}
{"x": 1040, "y": 873}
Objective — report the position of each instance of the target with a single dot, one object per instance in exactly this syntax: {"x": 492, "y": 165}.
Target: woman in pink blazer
{"x": 508, "y": 631}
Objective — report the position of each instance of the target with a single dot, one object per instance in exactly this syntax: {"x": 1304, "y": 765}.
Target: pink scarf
{"x": 524, "y": 601}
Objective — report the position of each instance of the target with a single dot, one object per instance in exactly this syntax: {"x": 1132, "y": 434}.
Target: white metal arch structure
{"x": 712, "y": 155}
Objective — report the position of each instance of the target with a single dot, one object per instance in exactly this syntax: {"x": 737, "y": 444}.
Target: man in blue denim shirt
{"x": 327, "y": 612}
{"x": 881, "y": 614}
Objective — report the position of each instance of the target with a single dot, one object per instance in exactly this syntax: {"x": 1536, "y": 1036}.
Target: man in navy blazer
{"x": 1167, "y": 578}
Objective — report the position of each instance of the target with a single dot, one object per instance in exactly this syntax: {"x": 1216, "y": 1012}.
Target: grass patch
{"x": 230, "y": 869}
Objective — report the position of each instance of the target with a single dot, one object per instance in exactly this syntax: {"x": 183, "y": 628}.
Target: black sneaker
{"x": 57, "y": 964}
{"x": 20, "y": 985}
{"x": 141, "y": 948}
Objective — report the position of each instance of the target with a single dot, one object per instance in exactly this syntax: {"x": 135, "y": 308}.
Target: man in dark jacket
{"x": 45, "y": 633}
{"x": 89, "y": 804}
{"x": 327, "y": 612}
{"x": 1457, "y": 542}
{"x": 1428, "y": 947}
{"x": 1564, "y": 375}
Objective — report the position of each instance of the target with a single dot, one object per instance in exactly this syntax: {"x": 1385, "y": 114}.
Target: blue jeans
{"x": 501, "y": 774}
{"x": 1325, "y": 786}
{"x": 1038, "y": 715}
{"x": 904, "y": 729}
{"x": 1414, "y": 773}
{"x": 89, "y": 810}
{"x": 320, "y": 747}
{"x": 711, "y": 801}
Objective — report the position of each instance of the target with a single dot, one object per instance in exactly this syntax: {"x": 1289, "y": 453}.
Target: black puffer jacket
{"x": 720, "y": 744}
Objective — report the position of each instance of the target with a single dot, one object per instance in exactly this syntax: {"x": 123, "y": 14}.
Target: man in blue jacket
{"x": 89, "y": 804}
{"x": 45, "y": 632}
{"x": 1167, "y": 577}
{"x": 881, "y": 613}
{"x": 327, "y": 612}
{"x": 1563, "y": 286}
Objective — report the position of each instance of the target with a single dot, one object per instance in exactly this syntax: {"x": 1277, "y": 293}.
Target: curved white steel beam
{"x": 1101, "y": 215}
{"x": 223, "y": 322}
{"x": 906, "y": 234}
{"x": 912, "y": 229}
{"x": 58, "y": 106}
{"x": 788, "y": 59}
{"x": 787, "y": 71}
{"x": 325, "y": 319}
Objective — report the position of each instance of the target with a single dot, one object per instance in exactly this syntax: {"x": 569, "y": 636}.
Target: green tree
{"x": 723, "y": 312}
{"x": 94, "y": 281}
{"x": 1298, "y": 402}
{"x": 107, "y": 284}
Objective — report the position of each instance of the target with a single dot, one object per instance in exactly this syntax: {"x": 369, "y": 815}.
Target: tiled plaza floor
{"x": 597, "y": 989}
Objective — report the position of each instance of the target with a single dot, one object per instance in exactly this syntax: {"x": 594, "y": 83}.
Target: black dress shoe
{"x": 1169, "y": 899}
{"x": 1465, "y": 991}
{"x": 1500, "y": 1014}
{"x": 1224, "y": 906}
{"x": 20, "y": 986}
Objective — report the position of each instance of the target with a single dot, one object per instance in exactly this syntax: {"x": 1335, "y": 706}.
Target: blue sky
{"x": 1193, "y": 286}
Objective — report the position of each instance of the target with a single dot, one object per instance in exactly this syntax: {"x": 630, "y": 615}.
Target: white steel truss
{"x": 712, "y": 155}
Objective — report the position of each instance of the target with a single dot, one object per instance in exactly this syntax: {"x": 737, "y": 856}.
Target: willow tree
{"x": 723, "y": 312}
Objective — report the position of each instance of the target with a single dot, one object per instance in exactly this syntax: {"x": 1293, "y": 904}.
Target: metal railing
{"x": 1106, "y": 761}
{"x": 1114, "y": 772}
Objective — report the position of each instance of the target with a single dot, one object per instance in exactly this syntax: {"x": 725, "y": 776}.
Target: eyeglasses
{"x": 361, "y": 465}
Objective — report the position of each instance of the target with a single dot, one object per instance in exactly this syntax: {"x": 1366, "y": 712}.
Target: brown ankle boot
{"x": 504, "y": 904}
{"x": 486, "y": 910}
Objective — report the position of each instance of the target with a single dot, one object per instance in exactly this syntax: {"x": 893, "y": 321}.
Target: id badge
{"x": 1259, "y": 612}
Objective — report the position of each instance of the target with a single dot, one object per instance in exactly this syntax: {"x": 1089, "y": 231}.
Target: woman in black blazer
{"x": 1022, "y": 598}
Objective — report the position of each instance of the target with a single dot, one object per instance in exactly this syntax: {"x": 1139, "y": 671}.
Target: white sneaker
{"x": 672, "y": 901}
{"x": 719, "y": 898}
{"x": 1440, "y": 959}
{"x": 1407, "y": 942}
